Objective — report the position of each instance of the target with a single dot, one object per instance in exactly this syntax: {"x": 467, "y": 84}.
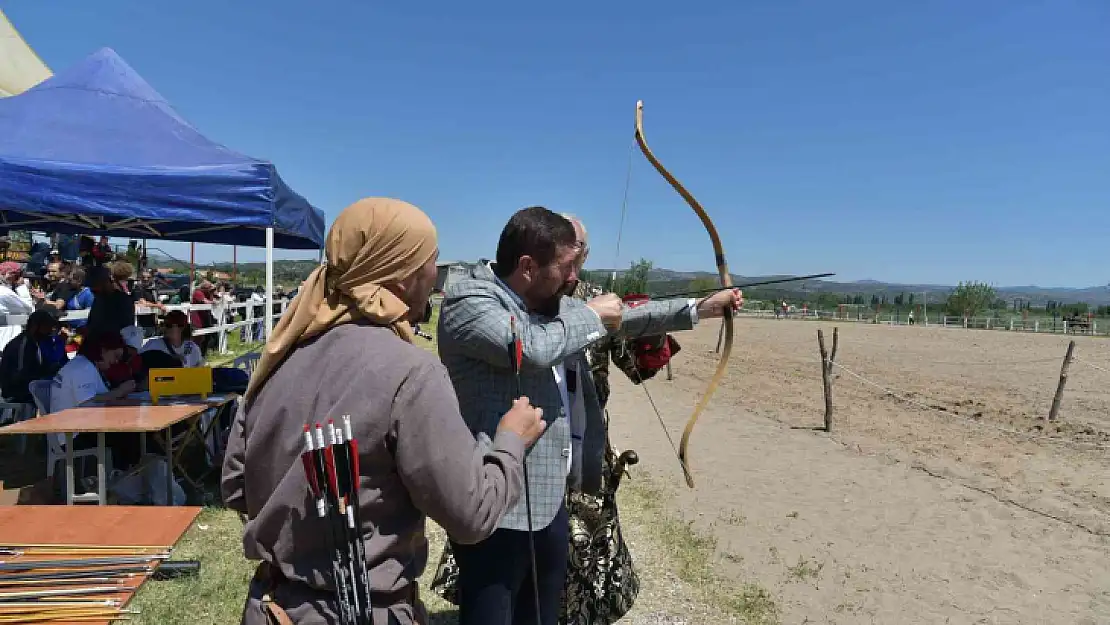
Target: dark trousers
{"x": 495, "y": 576}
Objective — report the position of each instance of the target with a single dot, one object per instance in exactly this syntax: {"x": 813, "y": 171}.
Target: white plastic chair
{"x": 55, "y": 443}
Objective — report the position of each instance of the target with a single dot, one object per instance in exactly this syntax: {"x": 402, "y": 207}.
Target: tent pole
{"x": 269, "y": 282}
{"x": 192, "y": 270}
{"x": 235, "y": 263}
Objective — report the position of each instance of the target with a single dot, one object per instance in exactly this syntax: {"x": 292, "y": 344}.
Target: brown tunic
{"x": 417, "y": 458}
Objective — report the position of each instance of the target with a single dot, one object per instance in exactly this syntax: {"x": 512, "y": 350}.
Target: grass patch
{"x": 235, "y": 348}
{"x": 691, "y": 553}
{"x": 804, "y": 570}
{"x": 215, "y": 596}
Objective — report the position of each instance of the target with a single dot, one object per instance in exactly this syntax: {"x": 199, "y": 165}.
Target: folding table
{"x": 104, "y": 419}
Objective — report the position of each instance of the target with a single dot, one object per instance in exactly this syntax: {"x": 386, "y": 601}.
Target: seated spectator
{"x": 64, "y": 284}
{"x": 146, "y": 296}
{"x": 102, "y": 252}
{"x": 112, "y": 309}
{"x": 72, "y": 294}
{"x": 10, "y": 301}
{"x": 205, "y": 294}
{"x": 36, "y": 354}
{"x": 82, "y": 379}
{"x": 130, "y": 365}
{"x": 176, "y": 340}
{"x": 175, "y": 348}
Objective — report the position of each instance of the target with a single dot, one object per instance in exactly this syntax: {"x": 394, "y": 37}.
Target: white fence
{"x": 253, "y": 326}
{"x": 1011, "y": 324}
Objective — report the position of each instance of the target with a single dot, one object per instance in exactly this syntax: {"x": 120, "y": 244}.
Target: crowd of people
{"x": 502, "y": 439}
{"x": 105, "y": 354}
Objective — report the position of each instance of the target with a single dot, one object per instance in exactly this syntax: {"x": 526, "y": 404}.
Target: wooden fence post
{"x": 1056, "y": 399}
{"x": 827, "y": 360}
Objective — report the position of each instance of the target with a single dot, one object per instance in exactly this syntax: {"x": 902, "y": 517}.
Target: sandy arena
{"x": 964, "y": 506}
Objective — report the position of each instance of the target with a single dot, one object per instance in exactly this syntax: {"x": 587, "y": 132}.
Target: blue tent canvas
{"x": 95, "y": 149}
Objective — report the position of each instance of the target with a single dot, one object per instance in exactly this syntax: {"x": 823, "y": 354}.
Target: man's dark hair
{"x": 42, "y": 318}
{"x": 99, "y": 276}
{"x": 533, "y": 231}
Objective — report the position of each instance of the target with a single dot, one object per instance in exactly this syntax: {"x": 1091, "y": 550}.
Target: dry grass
{"x": 673, "y": 560}
{"x": 677, "y": 550}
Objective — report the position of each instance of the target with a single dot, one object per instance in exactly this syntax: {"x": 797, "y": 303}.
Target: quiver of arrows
{"x": 331, "y": 468}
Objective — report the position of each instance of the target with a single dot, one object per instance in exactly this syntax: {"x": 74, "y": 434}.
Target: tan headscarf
{"x": 373, "y": 242}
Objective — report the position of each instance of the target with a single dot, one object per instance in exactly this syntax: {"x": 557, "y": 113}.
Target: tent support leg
{"x": 269, "y": 282}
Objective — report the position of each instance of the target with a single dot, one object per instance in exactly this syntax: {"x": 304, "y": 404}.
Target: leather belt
{"x": 270, "y": 577}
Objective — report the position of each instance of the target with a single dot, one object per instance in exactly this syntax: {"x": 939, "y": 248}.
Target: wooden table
{"x": 104, "y": 419}
{"x": 88, "y": 525}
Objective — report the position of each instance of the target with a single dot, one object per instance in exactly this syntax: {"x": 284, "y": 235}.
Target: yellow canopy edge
{"x": 20, "y": 67}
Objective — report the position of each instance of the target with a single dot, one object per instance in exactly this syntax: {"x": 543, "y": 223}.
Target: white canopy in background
{"x": 20, "y": 67}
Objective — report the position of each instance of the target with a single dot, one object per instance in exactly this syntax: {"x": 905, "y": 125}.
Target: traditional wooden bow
{"x": 726, "y": 282}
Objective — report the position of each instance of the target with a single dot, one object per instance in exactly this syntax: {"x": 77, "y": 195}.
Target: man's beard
{"x": 549, "y": 306}
{"x": 546, "y": 304}
{"x": 570, "y": 288}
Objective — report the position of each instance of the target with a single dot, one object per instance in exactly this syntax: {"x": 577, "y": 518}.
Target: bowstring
{"x": 642, "y": 383}
{"x": 624, "y": 204}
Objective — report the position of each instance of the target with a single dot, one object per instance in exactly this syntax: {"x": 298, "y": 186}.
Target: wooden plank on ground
{"x": 133, "y": 526}
{"x": 95, "y": 525}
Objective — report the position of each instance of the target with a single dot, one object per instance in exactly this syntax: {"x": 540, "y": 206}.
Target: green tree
{"x": 970, "y": 298}
{"x": 634, "y": 280}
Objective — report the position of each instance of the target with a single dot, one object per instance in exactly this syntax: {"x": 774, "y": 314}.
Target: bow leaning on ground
{"x": 726, "y": 282}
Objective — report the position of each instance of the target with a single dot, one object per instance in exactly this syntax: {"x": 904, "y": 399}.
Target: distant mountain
{"x": 667, "y": 280}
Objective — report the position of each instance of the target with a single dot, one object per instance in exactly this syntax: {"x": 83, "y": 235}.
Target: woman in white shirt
{"x": 82, "y": 378}
{"x": 176, "y": 340}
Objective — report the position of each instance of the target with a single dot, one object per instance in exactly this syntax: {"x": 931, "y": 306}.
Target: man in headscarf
{"x": 344, "y": 347}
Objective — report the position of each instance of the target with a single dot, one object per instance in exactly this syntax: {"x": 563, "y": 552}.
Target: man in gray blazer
{"x": 537, "y": 264}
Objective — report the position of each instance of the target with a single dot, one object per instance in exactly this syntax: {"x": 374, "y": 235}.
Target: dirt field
{"x": 961, "y": 507}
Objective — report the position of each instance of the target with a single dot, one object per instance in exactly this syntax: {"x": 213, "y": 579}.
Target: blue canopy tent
{"x": 96, "y": 150}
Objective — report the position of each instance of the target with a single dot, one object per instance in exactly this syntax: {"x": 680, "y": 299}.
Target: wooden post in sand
{"x": 1056, "y": 399}
{"x": 827, "y": 360}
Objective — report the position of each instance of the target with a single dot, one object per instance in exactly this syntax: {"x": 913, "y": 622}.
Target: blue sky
{"x": 899, "y": 141}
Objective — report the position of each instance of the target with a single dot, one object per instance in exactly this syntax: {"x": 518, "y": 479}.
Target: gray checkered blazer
{"x": 473, "y": 337}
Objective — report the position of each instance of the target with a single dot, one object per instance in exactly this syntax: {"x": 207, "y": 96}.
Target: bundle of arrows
{"x": 332, "y": 471}
{"x": 71, "y": 583}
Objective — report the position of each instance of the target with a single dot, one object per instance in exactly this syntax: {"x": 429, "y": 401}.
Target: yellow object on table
{"x": 180, "y": 381}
